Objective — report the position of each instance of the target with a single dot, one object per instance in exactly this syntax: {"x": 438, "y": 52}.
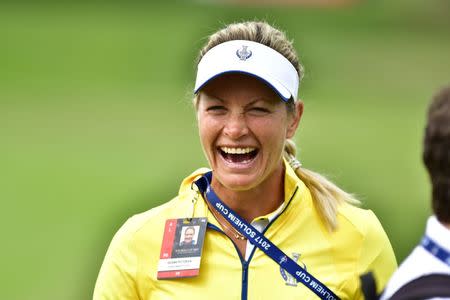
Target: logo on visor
{"x": 243, "y": 53}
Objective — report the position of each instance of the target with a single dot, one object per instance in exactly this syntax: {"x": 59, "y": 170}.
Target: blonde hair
{"x": 259, "y": 32}
{"x": 325, "y": 194}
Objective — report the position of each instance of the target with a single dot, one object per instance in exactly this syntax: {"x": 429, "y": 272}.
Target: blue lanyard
{"x": 436, "y": 250}
{"x": 259, "y": 240}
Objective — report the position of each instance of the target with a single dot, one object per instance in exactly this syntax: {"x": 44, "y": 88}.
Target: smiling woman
{"x": 243, "y": 127}
{"x": 256, "y": 207}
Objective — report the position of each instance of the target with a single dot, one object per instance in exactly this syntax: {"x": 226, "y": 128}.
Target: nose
{"x": 236, "y": 126}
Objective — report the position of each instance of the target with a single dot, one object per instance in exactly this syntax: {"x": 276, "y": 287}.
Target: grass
{"x": 96, "y": 123}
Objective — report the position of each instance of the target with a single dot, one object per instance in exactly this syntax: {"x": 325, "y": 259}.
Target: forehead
{"x": 234, "y": 86}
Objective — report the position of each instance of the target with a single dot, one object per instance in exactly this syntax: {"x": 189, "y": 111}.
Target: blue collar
{"x": 436, "y": 250}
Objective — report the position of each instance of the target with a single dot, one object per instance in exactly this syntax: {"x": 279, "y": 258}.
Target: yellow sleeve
{"x": 377, "y": 255}
{"x": 117, "y": 277}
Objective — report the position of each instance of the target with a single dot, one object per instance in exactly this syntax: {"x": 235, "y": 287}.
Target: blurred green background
{"x": 96, "y": 123}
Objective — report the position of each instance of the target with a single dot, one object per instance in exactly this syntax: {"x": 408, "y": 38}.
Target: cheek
{"x": 202, "y": 131}
{"x": 207, "y": 130}
{"x": 270, "y": 131}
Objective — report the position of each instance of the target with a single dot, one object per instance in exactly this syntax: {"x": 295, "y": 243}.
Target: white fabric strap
{"x": 251, "y": 58}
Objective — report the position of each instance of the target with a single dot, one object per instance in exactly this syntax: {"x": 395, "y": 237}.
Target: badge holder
{"x": 182, "y": 245}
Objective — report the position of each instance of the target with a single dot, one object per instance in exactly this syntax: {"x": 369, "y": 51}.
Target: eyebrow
{"x": 209, "y": 97}
{"x": 212, "y": 98}
{"x": 268, "y": 101}
{"x": 253, "y": 101}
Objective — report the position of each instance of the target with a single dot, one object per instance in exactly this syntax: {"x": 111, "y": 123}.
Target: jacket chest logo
{"x": 288, "y": 278}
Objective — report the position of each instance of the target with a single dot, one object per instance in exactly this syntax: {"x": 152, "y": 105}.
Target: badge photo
{"x": 181, "y": 248}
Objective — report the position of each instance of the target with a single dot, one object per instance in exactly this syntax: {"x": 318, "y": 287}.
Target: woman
{"x": 274, "y": 229}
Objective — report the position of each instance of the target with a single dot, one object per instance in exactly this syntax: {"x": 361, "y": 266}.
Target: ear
{"x": 294, "y": 119}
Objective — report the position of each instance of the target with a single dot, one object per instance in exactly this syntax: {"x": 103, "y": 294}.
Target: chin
{"x": 237, "y": 182}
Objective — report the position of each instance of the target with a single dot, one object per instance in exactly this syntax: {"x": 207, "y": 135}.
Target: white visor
{"x": 253, "y": 59}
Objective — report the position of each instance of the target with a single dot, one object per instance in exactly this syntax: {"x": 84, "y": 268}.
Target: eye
{"x": 262, "y": 109}
{"x": 259, "y": 110}
{"x": 216, "y": 109}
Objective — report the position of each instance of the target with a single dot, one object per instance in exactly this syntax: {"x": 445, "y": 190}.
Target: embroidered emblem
{"x": 243, "y": 53}
{"x": 288, "y": 278}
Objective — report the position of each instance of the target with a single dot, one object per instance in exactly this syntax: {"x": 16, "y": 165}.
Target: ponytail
{"x": 325, "y": 194}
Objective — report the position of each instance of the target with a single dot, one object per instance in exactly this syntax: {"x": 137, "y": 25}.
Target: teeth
{"x": 237, "y": 150}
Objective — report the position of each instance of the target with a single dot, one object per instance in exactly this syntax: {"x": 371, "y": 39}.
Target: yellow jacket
{"x": 336, "y": 258}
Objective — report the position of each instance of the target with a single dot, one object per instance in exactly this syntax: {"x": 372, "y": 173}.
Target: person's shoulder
{"x": 419, "y": 263}
{"x": 362, "y": 221}
{"x": 371, "y": 243}
{"x": 408, "y": 270}
{"x": 364, "y": 230}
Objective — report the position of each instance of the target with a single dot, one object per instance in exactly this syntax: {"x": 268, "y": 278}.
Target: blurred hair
{"x": 325, "y": 194}
{"x": 436, "y": 153}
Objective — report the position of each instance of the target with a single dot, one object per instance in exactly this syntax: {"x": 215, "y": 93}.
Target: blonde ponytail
{"x": 325, "y": 194}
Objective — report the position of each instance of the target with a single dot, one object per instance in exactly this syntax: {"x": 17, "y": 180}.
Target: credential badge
{"x": 288, "y": 278}
{"x": 243, "y": 53}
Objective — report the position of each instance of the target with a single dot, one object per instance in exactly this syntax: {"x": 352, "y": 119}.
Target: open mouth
{"x": 238, "y": 155}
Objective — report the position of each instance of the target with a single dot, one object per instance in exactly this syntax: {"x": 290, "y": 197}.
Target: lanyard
{"x": 436, "y": 250}
{"x": 260, "y": 241}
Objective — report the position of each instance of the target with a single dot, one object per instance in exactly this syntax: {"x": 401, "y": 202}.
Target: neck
{"x": 255, "y": 202}
{"x": 442, "y": 221}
